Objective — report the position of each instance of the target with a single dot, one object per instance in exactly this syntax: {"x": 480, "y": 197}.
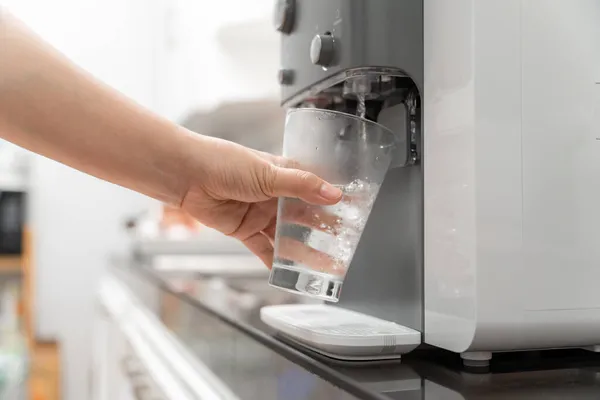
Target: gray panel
{"x": 381, "y": 33}
{"x": 385, "y": 278}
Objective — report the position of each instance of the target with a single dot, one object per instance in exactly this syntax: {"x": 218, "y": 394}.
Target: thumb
{"x": 288, "y": 182}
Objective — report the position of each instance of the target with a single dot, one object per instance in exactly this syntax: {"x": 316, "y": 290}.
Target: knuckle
{"x": 280, "y": 161}
{"x": 308, "y": 180}
{"x": 304, "y": 176}
{"x": 266, "y": 181}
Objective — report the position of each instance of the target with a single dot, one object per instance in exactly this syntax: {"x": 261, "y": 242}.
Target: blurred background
{"x": 210, "y": 66}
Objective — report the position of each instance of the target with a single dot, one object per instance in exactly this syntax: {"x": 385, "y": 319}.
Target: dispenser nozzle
{"x": 367, "y": 86}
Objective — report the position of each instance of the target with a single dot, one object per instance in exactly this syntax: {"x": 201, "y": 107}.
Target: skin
{"x": 51, "y": 107}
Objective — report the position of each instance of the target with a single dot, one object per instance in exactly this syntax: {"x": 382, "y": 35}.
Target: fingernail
{"x": 330, "y": 192}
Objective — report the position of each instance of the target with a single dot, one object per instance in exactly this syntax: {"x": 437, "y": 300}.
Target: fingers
{"x": 259, "y": 236}
{"x": 269, "y": 232}
{"x": 286, "y": 182}
{"x": 293, "y": 250}
{"x": 260, "y": 245}
{"x": 314, "y": 217}
{"x": 256, "y": 218}
{"x": 298, "y": 252}
{"x": 285, "y": 177}
{"x": 278, "y": 161}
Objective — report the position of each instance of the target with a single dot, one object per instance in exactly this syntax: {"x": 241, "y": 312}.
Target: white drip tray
{"x": 339, "y": 333}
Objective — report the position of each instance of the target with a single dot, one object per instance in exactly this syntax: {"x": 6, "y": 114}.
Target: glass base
{"x": 306, "y": 282}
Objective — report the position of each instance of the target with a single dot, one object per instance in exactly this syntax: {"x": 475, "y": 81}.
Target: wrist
{"x": 193, "y": 162}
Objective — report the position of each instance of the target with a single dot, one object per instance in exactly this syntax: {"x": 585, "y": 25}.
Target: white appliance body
{"x": 512, "y": 174}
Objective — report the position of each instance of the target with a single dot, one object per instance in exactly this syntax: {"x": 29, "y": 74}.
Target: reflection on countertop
{"x": 218, "y": 320}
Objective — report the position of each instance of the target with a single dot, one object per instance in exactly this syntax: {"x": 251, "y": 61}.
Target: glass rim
{"x": 341, "y": 113}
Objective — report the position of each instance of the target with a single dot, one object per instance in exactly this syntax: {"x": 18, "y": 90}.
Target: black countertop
{"x": 256, "y": 364}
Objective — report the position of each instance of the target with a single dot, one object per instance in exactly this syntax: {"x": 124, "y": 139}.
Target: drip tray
{"x": 339, "y": 333}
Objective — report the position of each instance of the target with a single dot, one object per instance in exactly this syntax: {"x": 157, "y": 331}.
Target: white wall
{"x": 200, "y": 72}
{"x": 164, "y": 54}
{"x": 76, "y": 218}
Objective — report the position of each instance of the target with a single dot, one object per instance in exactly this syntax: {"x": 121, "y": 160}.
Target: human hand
{"x": 234, "y": 190}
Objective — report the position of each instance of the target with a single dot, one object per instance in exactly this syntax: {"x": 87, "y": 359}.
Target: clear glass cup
{"x": 314, "y": 245}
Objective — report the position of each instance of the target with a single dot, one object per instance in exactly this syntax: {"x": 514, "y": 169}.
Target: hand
{"x": 234, "y": 190}
{"x": 223, "y": 185}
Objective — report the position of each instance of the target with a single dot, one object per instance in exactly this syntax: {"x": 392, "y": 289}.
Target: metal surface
{"x": 283, "y": 18}
{"x": 373, "y": 54}
{"x": 322, "y": 50}
{"x": 364, "y": 32}
{"x": 285, "y": 76}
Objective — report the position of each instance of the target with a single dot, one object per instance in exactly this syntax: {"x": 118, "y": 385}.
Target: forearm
{"x": 51, "y": 107}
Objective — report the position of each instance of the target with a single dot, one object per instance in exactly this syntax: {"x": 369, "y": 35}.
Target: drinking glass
{"x": 314, "y": 245}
